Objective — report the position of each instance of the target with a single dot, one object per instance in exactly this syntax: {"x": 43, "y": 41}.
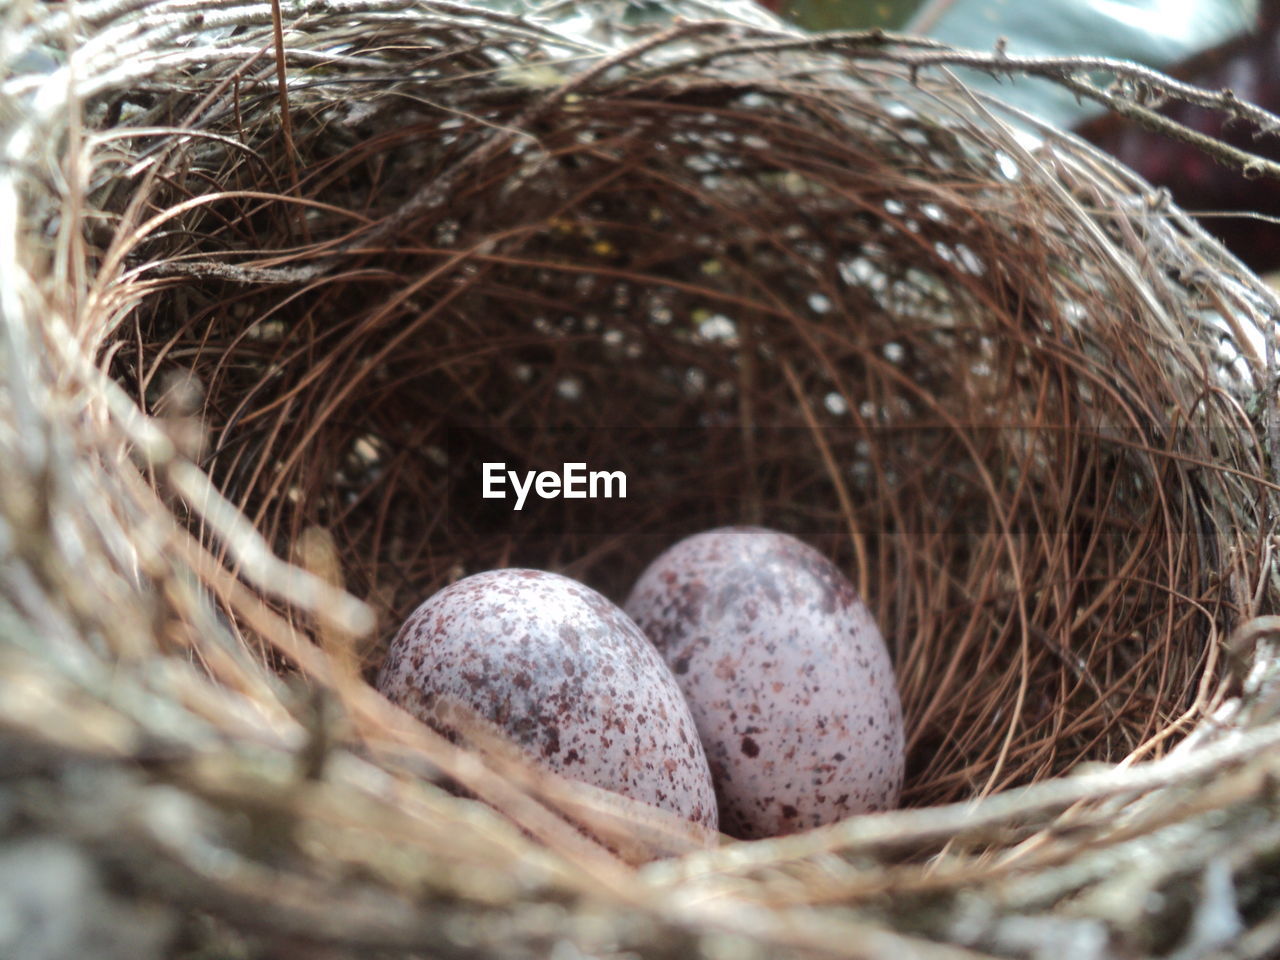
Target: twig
{"x": 1064, "y": 71}
{"x": 286, "y": 119}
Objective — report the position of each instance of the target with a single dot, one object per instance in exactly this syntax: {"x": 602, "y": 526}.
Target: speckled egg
{"x": 787, "y": 676}
{"x": 566, "y": 674}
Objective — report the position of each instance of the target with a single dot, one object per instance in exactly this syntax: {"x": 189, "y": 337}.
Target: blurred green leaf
{"x": 849, "y": 14}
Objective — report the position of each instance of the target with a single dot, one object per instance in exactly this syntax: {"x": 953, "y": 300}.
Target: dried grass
{"x": 1011, "y": 390}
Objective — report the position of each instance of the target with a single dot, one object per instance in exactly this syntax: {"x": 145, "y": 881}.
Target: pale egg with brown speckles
{"x": 565, "y": 674}
{"x": 787, "y": 675}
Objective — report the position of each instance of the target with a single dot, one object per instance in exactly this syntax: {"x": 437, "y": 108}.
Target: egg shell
{"x": 786, "y": 673}
{"x": 565, "y": 674}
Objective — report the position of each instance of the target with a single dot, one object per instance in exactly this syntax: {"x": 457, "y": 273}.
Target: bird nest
{"x": 264, "y": 318}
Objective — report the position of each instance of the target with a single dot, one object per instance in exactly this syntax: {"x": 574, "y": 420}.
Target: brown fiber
{"x": 1017, "y": 395}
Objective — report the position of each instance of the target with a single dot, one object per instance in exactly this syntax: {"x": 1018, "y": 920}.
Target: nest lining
{"x": 1010, "y": 393}
{"x": 723, "y": 301}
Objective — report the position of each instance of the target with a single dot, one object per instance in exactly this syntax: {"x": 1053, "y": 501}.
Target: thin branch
{"x": 1064, "y": 71}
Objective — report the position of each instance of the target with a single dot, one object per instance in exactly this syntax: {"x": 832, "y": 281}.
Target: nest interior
{"x": 1005, "y": 387}
{"x": 893, "y": 333}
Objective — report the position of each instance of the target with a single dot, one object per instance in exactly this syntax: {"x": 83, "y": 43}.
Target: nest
{"x": 267, "y": 316}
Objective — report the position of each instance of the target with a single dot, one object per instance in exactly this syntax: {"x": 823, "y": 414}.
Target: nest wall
{"x": 1008, "y": 389}
{"x": 762, "y": 303}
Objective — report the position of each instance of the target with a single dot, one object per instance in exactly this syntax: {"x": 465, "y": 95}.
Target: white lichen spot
{"x": 267, "y": 330}
{"x": 366, "y": 449}
{"x": 718, "y": 328}
{"x": 447, "y": 232}
{"x": 794, "y": 184}
{"x": 1006, "y": 165}
{"x": 861, "y": 272}
{"x": 968, "y": 259}
{"x": 703, "y": 163}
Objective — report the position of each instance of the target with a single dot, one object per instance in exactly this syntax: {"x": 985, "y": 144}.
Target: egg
{"x": 565, "y": 674}
{"x": 787, "y": 675}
